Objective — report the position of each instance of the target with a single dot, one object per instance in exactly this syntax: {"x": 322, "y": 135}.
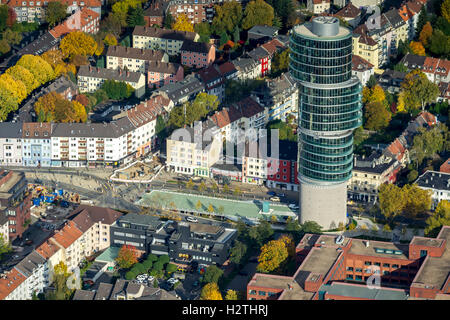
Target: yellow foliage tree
{"x": 401, "y": 102}
{"x": 231, "y": 295}
{"x": 417, "y": 48}
{"x": 182, "y": 23}
{"x": 41, "y": 69}
{"x": 45, "y": 106}
{"x": 78, "y": 43}
{"x": 272, "y": 255}
{"x": 376, "y": 94}
{"x": 110, "y": 40}
{"x": 56, "y": 59}
{"x": 15, "y": 86}
{"x": 22, "y": 74}
{"x": 80, "y": 112}
{"x": 211, "y": 292}
{"x": 289, "y": 243}
{"x": 425, "y": 34}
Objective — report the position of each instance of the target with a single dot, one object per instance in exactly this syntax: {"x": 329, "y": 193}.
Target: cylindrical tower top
{"x": 325, "y": 26}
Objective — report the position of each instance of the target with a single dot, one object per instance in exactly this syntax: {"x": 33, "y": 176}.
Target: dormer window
{"x": 27, "y": 133}
{"x": 36, "y": 134}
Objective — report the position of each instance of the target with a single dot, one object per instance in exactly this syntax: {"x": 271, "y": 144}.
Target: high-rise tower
{"x": 329, "y": 110}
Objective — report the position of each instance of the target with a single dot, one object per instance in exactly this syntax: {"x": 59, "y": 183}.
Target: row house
{"x": 162, "y": 73}
{"x": 132, "y": 135}
{"x": 193, "y": 150}
{"x": 436, "y": 70}
{"x": 254, "y": 164}
{"x": 15, "y": 202}
{"x": 11, "y": 144}
{"x": 369, "y": 173}
{"x": 197, "y": 54}
{"x": 167, "y": 40}
{"x": 12, "y": 285}
{"x": 318, "y": 6}
{"x": 35, "y": 269}
{"x": 362, "y": 69}
{"x": 264, "y": 54}
{"x": 282, "y": 169}
{"x": 247, "y": 68}
{"x": 85, "y": 20}
{"x": 32, "y": 10}
{"x": 213, "y": 81}
{"x": 228, "y": 71}
{"x": 91, "y": 79}
{"x": 239, "y": 118}
{"x": 182, "y": 91}
{"x": 279, "y": 96}
{"x": 133, "y": 59}
{"x": 36, "y": 144}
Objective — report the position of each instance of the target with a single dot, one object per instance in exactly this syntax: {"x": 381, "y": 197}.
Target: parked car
{"x": 281, "y": 194}
{"x": 293, "y": 206}
{"x": 191, "y": 219}
{"x": 275, "y": 199}
{"x": 271, "y": 193}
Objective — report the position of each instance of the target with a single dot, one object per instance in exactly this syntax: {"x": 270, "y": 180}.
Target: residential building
{"x": 350, "y": 13}
{"x": 337, "y": 268}
{"x": 183, "y": 242}
{"x": 264, "y": 54}
{"x": 182, "y": 91}
{"x": 362, "y": 69}
{"x": 409, "y": 12}
{"x": 196, "y": 11}
{"x": 318, "y": 6}
{"x": 248, "y": 68}
{"x": 53, "y": 253}
{"x": 133, "y": 59}
{"x": 15, "y": 202}
{"x": 69, "y": 239}
{"x": 167, "y": 40}
{"x": 124, "y": 290}
{"x": 4, "y": 227}
{"x": 11, "y": 144}
{"x": 193, "y": 150}
{"x": 279, "y": 96}
{"x": 91, "y": 78}
{"x": 31, "y": 10}
{"x": 238, "y": 119}
{"x": 365, "y": 46}
{"x": 261, "y": 33}
{"x": 197, "y": 54}
{"x": 325, "y": 134}
{"x": 12, "y": 285}
{"x": 254, "y": 164}
{"x": 85, "y": 20}
{"x": 162, "y": 73}
{"x": 154, "y": 14}
{"x": 35, "y": 269}
{"x": 438, "y": 183}
{"x": 95, "y": 223}
{"x": 228, "y": 71}
{"x": 36, "y": 144}
{"x": 444, "y": 92}
{"x": 369, "y": 173}
{"x": 445, "y": 167}
{"x": 391, "y": 80}
{"x": 213, "y": 81}
{"x": 227, "y": 172}
{"x": 282, "y": 170}
{"x": 436, "y": 70}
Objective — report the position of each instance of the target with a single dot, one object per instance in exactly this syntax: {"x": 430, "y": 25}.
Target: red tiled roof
{"x": 360, "y": 64}
{"x": 362, "y": 30}
{"x": 226, "y": 68}
{"x": 10, "y": 282}
{"x": 67, "y": 235}
{"x": 321, "y": 1}
{"x": 445, "y": 167}
{"x": 84, "y": 16}
{"x": 147, "y": 110}
{"x": 272, "y": 46}
{"x": 349, "y": 11}
{"x": 87, "y": 3}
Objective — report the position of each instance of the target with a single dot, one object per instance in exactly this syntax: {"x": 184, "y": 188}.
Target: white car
{"x": 293, "y": 206}
{"x": 191, "y": 219}
{"x": 275, "y": 199}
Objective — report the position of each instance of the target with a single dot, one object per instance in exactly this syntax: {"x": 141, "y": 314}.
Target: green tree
{"x": 164, "y": 259}
{"x": 5, "y": 247}
{"x": 261, "y": 233}
{"x": 237, "y": 252}
{"x": 427, "y": 143}
{"x": 440, "y": 43}
{"x": 212, "y": 274}
{"x": 377, "y": 116}
{"x": 440, "y": 217}
{"x": 135, "y": 16}
{"x": 55, "y": 12}
{"x": 285, "y": 132}
{"x": 152, "y": 258}
{"x": 283, "y": 9}
{"x": 392, "y": 200}
{"x": 257, "y": 12}
{"x": 168, "y": 21}
{"x": 158, "y": 266}
{"x": 280, "y": 62}
{"x": 445, "y": 9}
{"x": 311, "y": 227}
{"x": 3, "y": 16}
{"x": 417, "y": 200}
{"x": 412, "y": 176}
{"x": 171, "y": 268}
{"x": 204, "y": 31}
{"x": 422, "y": 20}
{"x": 12, "y": 37}
{"x": 227, "y": 17}
{"x": 418, "y": 91}
{"x": 160, "y": 127}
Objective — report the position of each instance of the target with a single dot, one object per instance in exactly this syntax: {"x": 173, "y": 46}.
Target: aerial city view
{"x": 224, "y": 150}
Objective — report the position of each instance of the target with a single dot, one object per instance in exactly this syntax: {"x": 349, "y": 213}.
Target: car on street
{"x": 275, "y": 199}
{"x": 271, "y": 193}
{"x": 281, "y": 194}
{"x": 191, "y": 219}
{"x": 293, "y": 206}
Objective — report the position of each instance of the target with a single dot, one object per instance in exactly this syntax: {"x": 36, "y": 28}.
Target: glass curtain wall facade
{"x": 329, "y": 102}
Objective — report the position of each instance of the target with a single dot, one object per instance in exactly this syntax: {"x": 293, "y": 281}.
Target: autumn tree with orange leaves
{"x": 417, "y": 48}
{"x": 425, "y": 34}
{"x": 127, "y": 256}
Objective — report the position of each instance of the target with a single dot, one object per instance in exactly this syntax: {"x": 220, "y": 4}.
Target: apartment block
{"x": 15, "y": 202}
{"x": 362, "y": 69}
{"x": 282, "y": 169}
{"x": 436, "y": 70}
{"x": 11, "y": 144}
{"x": 197, "y": 54}
{"x": 167, "y": 40}
{"x": 318, "y": 6}
{"x": 365, "y": 46}
{"x": 182, "y": 91}
{"x": 197, "y": 11}
{"x": 193, "y": 150}
{"x": 133, "y": 59}
{"x": 438, "y": 183}
{"x": 85, "y": 20}
{"x": 163, "y": 73}
{"x": 91, "y": 78}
